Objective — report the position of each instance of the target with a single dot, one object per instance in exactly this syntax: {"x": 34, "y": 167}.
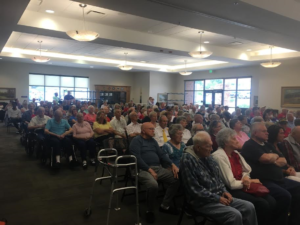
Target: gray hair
{"x": 224, "y": 136}
{"x": 255, "y": 126}
{"x": 152, "y": 114}
{"x": 117, "y": 110}
{"x": 174, "y": 128}
{"x": 257, "y": 119}
{"x": 186, "y": 114}
{"x": 132, "y": 114}
{"x": 161, "y": 117}
{"x": 180, "y": 118}
{"x": 89, "y": 107}
{"x": 200, "y": 137}
{"x": 214, "y": 117}
{"x": 194, "y": 129}
{"x": 180, "y": 113}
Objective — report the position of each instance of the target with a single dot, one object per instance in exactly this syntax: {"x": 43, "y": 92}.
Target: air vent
{"x": 92, "y": 11}
{"x": 236, "y": 43}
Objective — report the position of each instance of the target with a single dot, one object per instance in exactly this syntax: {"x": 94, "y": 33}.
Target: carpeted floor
{"x": 31, "y": 194}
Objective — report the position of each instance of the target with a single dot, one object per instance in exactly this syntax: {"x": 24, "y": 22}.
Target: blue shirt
{"x": 57, "y": 128}
{"x": 174, "y": 153}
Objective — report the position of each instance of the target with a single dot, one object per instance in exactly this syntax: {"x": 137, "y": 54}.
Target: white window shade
{"x": 81, "y": 82}
{"x": 36, "y": 79}
{"x": 67, "y": 81}
{"x": 52, "y": 81}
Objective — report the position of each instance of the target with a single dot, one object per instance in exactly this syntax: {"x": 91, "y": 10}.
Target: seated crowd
{"x": 236, "y": 168}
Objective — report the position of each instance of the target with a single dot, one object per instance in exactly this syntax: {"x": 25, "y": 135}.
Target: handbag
{"x": 257, "y": 190}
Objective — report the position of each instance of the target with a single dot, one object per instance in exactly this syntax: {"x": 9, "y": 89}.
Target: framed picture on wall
{"x": 162, "y": 97}
{"x": 290, "y": 97}
{"x": 7, "y": 93}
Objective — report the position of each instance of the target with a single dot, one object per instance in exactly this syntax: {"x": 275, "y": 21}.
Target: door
{"x": 213, "y": 98}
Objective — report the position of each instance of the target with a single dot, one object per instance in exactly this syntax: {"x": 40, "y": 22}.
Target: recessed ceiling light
{"x": 206, "y": 42}
{"x": 82, "y": 5}
{"x": 249, "y": 50}
{"x": 49, "y": 11}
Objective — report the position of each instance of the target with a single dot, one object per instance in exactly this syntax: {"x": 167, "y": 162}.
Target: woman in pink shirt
{"x": 90, "y": 117}
{"x": 241, "y": 136}
{"x": 83, "y": 138}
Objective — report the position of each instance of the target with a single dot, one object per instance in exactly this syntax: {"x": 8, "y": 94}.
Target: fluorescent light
{"x": 16, "y": 52}
{"x": 274, "y": 51}
{"x": 185, "y": 73}
{"x": 248, "y": 50}
{"x": 50, "y": 11}
{"x": 206, "y": 42}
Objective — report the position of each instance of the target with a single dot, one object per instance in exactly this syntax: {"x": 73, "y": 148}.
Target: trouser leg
{"x": 68, "y": 147}
{"x": 167, "y": 177}
{"x": 81, "y": 145}
{"x": 263, "y": 205}
{"x": 145, "y": 178}
{"x": 91, "y": 146}
{"x": 54, "y": 142}
{"x": 283, "y": 201}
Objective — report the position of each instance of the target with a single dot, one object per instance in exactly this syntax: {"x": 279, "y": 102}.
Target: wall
{"x": 15, "y": 75}
{"x": 141, "y": 84}
{"x": 266, "y": 83}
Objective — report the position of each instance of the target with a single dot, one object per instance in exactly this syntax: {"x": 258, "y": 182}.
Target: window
{"x": 231, "y": 92}
{"x": 43, "y": 87}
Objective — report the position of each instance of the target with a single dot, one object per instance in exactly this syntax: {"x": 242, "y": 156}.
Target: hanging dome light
{"x": 125, "y": 67}
{"x": 270, "y": 64}
{"x": 185, "y": 73}
{"x": 83, "y": 35}
{"x": 200, "y": 54}
{"x": 40, "y": 58}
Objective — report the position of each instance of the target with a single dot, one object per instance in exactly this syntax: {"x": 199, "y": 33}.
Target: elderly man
{"x": 119, "y": 125}
{"x": 161, "y": 131}
{"x": 290, "y": 119}
{"x": 205, "y": 190}
{"x": 266, "y": 165}
{"x": 134, "y": 128}
{"x": 186, "y": 133}
{"x": 149, "y": 158}
{"x": 57, "y": 130}
{"x": 291, "y": 148}
{"x": 195, "y": 129}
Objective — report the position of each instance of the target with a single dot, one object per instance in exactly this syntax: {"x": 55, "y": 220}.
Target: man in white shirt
{"x": 119, "y": 124}
{"x": 161, "y": 131}
{"x": 14, "y": 115}
{"x": 134, "y": 128}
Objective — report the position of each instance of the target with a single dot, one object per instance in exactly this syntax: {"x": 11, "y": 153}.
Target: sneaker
{"x": 170, "y": 210}
{"x": 56, "y": 165}
{"x": 84, "y": 165}
{"x": 150, "y": 217}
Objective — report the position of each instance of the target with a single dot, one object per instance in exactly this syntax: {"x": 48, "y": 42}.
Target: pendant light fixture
{"x": 83, "y": 35}
{"x": 200, "y": 53}
{"x": 125, "y": 66}
{"x": 40, "y": 59}
{"x": 270, "y": 64}
{"x": 185, "y": 73}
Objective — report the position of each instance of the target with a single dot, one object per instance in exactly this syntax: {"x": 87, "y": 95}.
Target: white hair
{"x": 200, "y": 137}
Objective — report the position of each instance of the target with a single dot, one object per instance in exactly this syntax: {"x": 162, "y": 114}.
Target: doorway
{"x": 213, "y": 98}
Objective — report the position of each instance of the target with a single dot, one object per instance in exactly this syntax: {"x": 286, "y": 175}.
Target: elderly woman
{"x": 174, "y": 147}
{"x": 153, "y": 118}
{"x": 90, "y": 117}
{"x": 186, "y": 133}
{"x": 83, "y": 138}
{"x": 276, "y": 137}
{"x": 214, "y": 128}
{"x": 235, "y": 173}
{"x": 241, "y": 136}
{"x": 102, "y": 128}
{"x": 245, "y": 125}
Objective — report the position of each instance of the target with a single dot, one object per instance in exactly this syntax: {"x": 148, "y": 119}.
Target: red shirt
{"x": 287, "y": 131}
{"x": 107, "y": 119}
{"x": 281, "y": 115}
{"x": 236, "y": 166}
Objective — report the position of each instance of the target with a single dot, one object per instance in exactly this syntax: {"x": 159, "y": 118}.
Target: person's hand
{"x": 224, "y": 201}
{"x": 256, "y": 181}
{"x": 291, "y": 171}
{"x": 62, "y": 136}
{"x": 227, "y": 196}
{"x": 175, "y": 170}
{"x": 246, "y": 182}
{"x": 152, "y": 172}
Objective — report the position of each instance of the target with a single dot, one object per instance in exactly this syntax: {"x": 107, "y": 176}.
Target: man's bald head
{"x": 58, "y": 115}
{"x": 147, "y": 130}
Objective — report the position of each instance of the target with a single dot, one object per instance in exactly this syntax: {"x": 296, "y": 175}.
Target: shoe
{"x": 56, "y": 165}
{"x": 93, "y": 162}
{"x": 150, "y": 217}
{"x": 170, "y": 210}
{"x": 84, "y": 165}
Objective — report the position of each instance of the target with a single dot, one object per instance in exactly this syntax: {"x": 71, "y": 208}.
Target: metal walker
{"x": 103, "y": 158}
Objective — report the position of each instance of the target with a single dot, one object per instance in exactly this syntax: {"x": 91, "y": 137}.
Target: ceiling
{"x": 153, "y": 41}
